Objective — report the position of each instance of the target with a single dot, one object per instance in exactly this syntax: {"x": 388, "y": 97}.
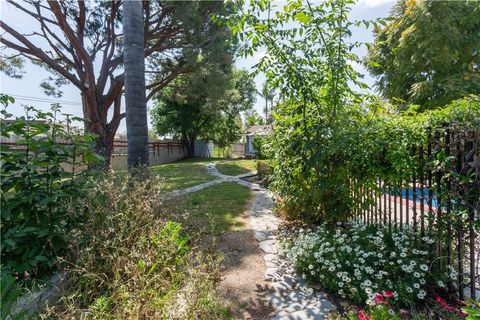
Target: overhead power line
{"x": 45, "y": 100}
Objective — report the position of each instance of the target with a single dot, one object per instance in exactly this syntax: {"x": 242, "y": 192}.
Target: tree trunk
{"x": 135, "y": 99}
{"x": 104, "y": 133}
{"x": 189, "y": 143}
{"x": 266, "y": 110}
{"x": 191, "y": 149}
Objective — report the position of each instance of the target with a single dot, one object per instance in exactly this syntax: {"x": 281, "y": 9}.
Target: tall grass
{"x": 130, "y": 261}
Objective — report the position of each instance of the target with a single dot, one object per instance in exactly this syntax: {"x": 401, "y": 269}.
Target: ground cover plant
{"x": 358, "y": 261}
{"x": 382, "y": 274}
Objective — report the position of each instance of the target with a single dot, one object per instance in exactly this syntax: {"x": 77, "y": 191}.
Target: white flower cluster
{"x": 363, "y": 259}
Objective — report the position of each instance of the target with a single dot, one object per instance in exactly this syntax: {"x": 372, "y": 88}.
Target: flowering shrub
{"x": 449, "y": 311}
{"x": 361, "y": 260}
{"x": 380, "y": 308}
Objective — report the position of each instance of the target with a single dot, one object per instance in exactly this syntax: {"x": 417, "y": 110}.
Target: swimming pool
{"x": 418, "y": 191}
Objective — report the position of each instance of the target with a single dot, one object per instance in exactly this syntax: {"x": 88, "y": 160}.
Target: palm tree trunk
{"x": 136, "y": 106}
{"x": 266, "y": 110}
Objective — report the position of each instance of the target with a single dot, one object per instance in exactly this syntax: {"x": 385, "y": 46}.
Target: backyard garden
{"x": 359, "y": 204}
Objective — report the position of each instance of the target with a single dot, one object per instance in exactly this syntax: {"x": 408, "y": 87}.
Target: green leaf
{"x": 302, "y": 17}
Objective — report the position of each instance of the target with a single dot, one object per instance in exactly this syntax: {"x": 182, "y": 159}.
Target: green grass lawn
{"x": 215, "y": 208}
{"x": 190, "y": 172}
{"x": 182, "y": 174}
{"x": 236, "y": 167}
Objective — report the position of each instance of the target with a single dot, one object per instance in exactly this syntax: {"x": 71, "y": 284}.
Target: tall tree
{"x": 135, "y": 100}
{"x": 267, "y": 93}
{"x": 252, "y": 118}
{"x": 81, "y": 43}
{"x": 429, "y": 53}
{"x": 206, "y": 103}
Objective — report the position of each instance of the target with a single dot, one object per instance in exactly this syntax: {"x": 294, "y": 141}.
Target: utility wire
{"x": 45, "y": 100}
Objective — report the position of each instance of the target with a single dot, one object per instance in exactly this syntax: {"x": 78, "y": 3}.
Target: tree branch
{"x": 37, "y": 52}
{"x": 158, "y": 85}
{"x": 74, "y": 41}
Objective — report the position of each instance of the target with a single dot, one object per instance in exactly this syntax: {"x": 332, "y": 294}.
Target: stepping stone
{"x": 260, "y": 236}
{"x": 270, "y": 257}
{"x": 277, "y": 300}
{"x": 292, "y": 307}
{"x": 280, "y": 287}
{"x": 268, "y": 246}
{"x": 271, "y": 273}
{"x": 290, "y": 280}
{"x": 307, "y": 315}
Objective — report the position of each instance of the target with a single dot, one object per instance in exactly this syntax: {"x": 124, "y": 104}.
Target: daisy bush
{"x": 359, "y": 261}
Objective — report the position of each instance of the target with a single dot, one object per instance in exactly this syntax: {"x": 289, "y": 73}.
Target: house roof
{"x": 261, "y": 130}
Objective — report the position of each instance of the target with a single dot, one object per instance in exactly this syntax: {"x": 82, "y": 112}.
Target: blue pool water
{"x": 419, "y": 191}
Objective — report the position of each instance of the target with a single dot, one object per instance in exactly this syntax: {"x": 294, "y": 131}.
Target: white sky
{"x": 28, "y": 86}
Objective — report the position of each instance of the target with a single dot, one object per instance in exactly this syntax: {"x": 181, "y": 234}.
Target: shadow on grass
{"x": 215, "y": 209}
{"x": 236, "y": 167}
{"x": 216, "y": 219}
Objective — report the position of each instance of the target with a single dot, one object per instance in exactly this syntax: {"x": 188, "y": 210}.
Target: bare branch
{"x": 73, "y": 39}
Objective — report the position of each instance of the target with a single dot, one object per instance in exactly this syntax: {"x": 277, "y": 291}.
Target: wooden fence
{"x": 163, "y": 151}
{"x": 439, "y": 198}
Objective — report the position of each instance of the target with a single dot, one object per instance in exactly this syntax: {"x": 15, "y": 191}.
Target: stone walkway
{"x": 289, "y": 295}
{"x": 211, "y": 169}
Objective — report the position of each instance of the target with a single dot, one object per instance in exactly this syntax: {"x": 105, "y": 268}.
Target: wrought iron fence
{"x": 439, "y": 198}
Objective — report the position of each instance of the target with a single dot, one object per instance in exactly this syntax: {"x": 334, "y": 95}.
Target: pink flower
{"x": 378, "y": 299}
{"x": 441, "y": 302}
{"x": 362, "y": 316}
{"x": 388, "y": 294}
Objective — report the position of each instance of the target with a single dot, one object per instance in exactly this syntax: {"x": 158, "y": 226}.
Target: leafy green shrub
{"x": 314, "y": 164}
{"x": 37, "y": 188}
{"x": 360, "y": 260}
{"x": 130, "y": 261}
{"x": 264, "y": 171}
{"x": 261, "y": 145}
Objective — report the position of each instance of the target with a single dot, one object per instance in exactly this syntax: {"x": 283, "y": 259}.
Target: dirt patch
{"x": 243, "y": 274}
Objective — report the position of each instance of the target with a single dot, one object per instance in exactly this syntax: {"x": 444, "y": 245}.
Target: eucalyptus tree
{"x": 135, "y": 100}
{"x": 81, "y": 43}
{"x": 429, "y": 53}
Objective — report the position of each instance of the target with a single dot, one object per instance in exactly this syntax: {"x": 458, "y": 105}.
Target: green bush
{"x": 37, "y": 189}
{"x": 261, "y": 145}
{"x": 264, "y": 171}
{"x": 130, "y": 261}
{"x": 359, "y": 261}
{"x": 314, "y": 163}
